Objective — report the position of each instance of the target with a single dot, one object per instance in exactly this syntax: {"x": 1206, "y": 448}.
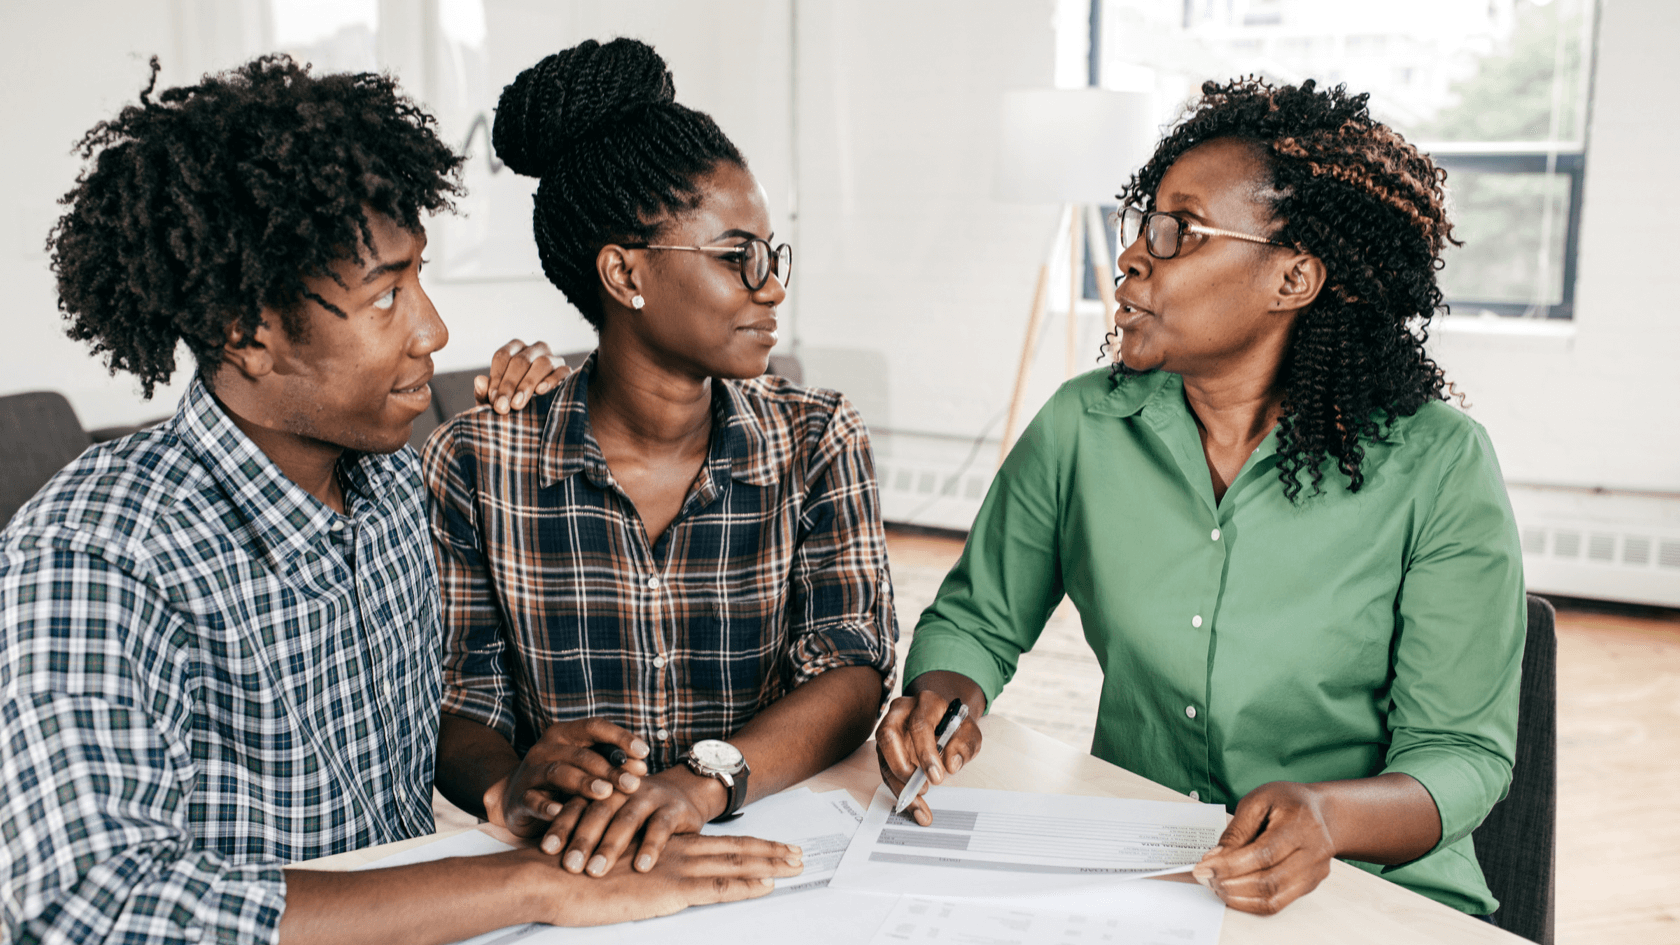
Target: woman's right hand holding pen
{"x": 907, "y": 738}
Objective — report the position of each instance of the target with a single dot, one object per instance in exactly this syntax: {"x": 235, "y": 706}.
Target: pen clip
{"x": 951, "y": 711}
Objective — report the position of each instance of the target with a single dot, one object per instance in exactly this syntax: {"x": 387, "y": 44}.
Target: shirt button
{"x": 653, "y": 584}
{"x": 337, "y": 525}
{"x": 1195, "y": 796}
{"x": 1190, "y": 711}
{"x": 659, "y": 662}
{"x": 1216, "y": 534}
{"x": 661, "y": 734}
{"x": 1196, "y": 621}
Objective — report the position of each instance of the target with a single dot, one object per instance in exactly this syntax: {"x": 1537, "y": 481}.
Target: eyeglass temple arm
{"x": 1216, "y": 231}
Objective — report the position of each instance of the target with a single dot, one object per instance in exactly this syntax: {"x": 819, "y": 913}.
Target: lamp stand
{"x": 1081, "y": 231}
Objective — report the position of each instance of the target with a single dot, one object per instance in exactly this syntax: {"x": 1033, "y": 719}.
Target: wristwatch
{"x": 713, "y": 758}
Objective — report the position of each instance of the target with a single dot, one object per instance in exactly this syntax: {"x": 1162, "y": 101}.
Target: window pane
{"x": 1439, "y": 70}
{"x": 1513, "y": 228}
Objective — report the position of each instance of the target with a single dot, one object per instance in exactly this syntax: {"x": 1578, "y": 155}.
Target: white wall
{"x": 66, "y": 65}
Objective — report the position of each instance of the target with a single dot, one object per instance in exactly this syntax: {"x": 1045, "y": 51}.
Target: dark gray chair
{"x": 42, "y": 435}
{"x": 1515, "y": 844}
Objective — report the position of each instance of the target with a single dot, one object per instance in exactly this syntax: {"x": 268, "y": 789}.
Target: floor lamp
{"x": 1075, "y": 147}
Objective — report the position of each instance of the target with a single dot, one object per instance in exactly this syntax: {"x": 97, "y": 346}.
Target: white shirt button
{"x": 338, "y": 525}
{"x": 1196, "y": 621}
{"x": 659, "y": 662}
{"x": 661, "y": 734}
{"x": 653, "y": 584}
{"x": 1190, "y": 711}
{"x": 1216, "y": 534}
{"x": 1195, "y": 796}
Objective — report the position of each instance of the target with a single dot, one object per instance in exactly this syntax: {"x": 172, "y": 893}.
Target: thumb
{"x": 1246, "y": 823}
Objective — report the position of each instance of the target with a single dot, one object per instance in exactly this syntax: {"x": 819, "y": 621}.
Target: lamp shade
{"x": 1072, "y": 145}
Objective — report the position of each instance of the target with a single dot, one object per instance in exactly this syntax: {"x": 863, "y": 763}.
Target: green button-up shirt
{"x": 1249, "y": 639}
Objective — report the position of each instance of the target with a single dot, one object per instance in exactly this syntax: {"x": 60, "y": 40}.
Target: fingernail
{"x": 795, "y": 861}
{"x": 768, "y": 881}
{"x": 956, "y": 763}
{"x": 1203, "y": 876}
{"x": 598, "y": 865}
{"x": 601, "y": 787}
{"x": 502, "y": 404}
{"x": 519, "y": 399}
{"x": 1215, "y": 851}
{"x": 629, "y": 782}
{"x": 553, "y": 811}
{"x": 639, "y": 748}
{"x": 551, "y": 845}
{"x": 644, "y": 863}
{"x": 543, "y": 387}
{"x": 797, "y": 849}
{"x": 574, "y": 860}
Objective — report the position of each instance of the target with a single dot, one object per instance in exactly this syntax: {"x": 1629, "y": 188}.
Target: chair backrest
{"x": 1515, "y": 844}
{"x": 41, "y": 436}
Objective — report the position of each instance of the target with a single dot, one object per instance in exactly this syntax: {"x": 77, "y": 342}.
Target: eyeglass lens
{"x": 761, "y": 261}
{"x": 1161, "y": 229}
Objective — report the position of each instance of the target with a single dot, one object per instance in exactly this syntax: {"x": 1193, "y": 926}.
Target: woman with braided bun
{"x": 665, "y": 585}
{"x": 1296, "y": 564}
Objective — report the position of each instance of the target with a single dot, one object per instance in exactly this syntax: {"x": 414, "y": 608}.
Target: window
{"x": 1496, "y": 91}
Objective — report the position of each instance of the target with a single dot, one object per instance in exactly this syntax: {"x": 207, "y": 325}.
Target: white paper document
{"x": 998, "y": 843}
{"x": 1133, "y": 914}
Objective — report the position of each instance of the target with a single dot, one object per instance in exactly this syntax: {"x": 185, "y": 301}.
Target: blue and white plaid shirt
{"x": 204, "y": 673}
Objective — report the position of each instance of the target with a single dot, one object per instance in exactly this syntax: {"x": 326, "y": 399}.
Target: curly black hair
{"x": 1357, "y": 195}
{"x": 616, "y": 155}
{"x": 215, "y": 201}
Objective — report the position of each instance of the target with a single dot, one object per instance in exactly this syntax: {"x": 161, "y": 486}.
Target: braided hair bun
{"x": 574, "y": 94}
{"x": 599, "y": 126}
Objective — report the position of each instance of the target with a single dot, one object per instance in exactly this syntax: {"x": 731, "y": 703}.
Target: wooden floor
{"x": 1618, "y": 852}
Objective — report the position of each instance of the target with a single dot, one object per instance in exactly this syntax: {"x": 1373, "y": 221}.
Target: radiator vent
{"x": 1600, "y": 547}
{"x": 1566, "y": 544}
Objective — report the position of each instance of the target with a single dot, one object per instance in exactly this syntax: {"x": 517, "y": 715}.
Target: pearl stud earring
{"x": 636, "y": 302}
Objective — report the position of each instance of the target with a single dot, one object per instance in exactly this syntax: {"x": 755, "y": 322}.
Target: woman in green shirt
{"x": 1295, "y": 563}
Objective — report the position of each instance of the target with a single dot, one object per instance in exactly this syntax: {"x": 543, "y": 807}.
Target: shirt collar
{"x": 739, "y": 441}
{"x": 1128, "y": 396}
{"x": 279, "y": 514}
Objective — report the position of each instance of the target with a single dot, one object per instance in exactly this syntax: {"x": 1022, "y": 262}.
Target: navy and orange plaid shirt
{"x": 556, "y": 607}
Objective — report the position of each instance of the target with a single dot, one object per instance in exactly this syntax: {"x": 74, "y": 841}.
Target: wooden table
{"x": 1350, "y": 906}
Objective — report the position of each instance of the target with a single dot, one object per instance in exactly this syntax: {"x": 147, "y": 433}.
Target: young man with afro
{"x": 219, "y": 637}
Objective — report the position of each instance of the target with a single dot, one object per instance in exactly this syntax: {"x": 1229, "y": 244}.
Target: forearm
{"x": 471, "y": 758}
{"x": 948, "y": 685}
{"x": 442, "y": 901}
{"x": 1388, "y": 819}
{"x": 809, "y": 729}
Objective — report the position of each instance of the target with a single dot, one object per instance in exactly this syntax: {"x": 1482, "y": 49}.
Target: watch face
{"x": 717, "y": 755}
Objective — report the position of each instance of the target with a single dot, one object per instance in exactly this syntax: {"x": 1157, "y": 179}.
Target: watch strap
{"x": 736, "y": 784}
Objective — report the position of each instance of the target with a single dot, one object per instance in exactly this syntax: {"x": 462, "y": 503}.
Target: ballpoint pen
{"x": 952, "y": 720}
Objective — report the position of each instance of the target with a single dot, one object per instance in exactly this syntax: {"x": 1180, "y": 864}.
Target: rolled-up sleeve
{"x": 475, "y": 681}
{"x": 1457, "y": 659}
{"x": 840, "y": 594}
{"x": 96, "y": 844}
